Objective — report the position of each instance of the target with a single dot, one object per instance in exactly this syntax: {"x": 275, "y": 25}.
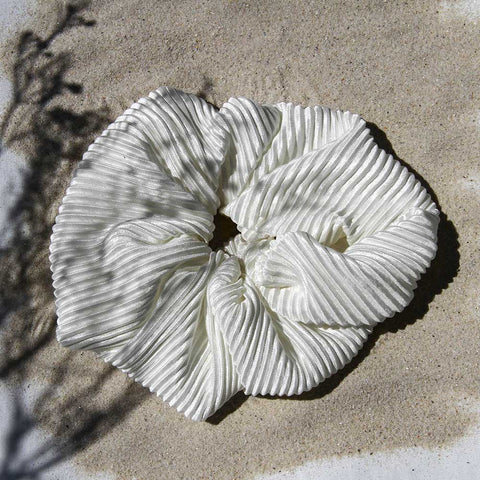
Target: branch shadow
{"x": 52, "y": 138}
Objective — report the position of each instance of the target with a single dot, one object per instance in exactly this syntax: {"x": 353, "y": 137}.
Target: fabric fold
{"x": 372, "y": 280}
{"x": 275, "y": 354}
{"x": 179, "y": 353}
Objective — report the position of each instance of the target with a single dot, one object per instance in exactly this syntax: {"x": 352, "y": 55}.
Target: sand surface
{"x": 409, "y": 68}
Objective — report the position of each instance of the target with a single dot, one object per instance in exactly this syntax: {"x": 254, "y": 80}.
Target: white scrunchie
{"x": 279, "y": 310}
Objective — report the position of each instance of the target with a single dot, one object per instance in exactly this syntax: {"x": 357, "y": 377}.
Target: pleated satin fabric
{"x": 334, "y": 235}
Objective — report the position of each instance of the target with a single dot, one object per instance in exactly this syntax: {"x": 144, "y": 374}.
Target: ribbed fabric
{"x": 283, "y": 307}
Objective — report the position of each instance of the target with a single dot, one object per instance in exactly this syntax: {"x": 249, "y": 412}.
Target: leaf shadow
{"x": 52, "y": 138}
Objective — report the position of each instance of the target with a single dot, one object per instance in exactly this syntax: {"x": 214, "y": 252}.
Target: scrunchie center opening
{"x": 341, "y": 243}
{"x": 225, "y": 230}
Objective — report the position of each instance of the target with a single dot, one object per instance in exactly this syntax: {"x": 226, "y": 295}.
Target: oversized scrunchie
{"x": 334, "y": 234}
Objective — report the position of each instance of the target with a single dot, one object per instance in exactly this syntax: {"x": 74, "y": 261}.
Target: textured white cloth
{"x": 278, "y": 310}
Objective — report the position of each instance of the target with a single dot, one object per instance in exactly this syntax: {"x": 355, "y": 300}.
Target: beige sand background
{"x": 409, "y": 68}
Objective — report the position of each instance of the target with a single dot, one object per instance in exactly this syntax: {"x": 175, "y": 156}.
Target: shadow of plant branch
{"x": 52, "y": 138}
